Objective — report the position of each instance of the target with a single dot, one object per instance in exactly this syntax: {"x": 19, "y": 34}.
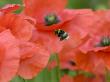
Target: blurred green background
{"x": 94, "y": 4}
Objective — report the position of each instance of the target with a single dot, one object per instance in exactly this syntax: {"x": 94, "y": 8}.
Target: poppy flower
{"x": 98, "y": 43}
{"x": 34, "y": 58}
{"x": 9, "y": 56}
{"x": 21, "y": 27}
{"x": 78, "y": 30}
{"x": 66, "y": 54}
{"x": 48, "y": 13}
{"x": 52, "y": 18}
{"x": 88, "y": 60}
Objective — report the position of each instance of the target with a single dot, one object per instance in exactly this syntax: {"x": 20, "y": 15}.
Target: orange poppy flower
{"x": 45, "y": 32}
{"x": 22, "y": 27}
{"x": 9, "y": 56}
{"x": 78, "y": 30}
{"x": 66, "y": 53}
{"x": 54, "y": 17}
{"x": 98, "y": 43}
{"x": 84, "y": 59}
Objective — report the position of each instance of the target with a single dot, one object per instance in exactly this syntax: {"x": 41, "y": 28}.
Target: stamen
{"x": 72, "y": 63}
{"x": 51, "y": 19}
{"x": 105, "y": 41}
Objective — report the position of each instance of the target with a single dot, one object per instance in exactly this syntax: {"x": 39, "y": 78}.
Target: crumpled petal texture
{"x": 20, "y": 27}
{"x": 33, "y": 59}
{"x": 9, "y": 56}
{"x": 45, "y": 7}
{"x": 19, "y": 55}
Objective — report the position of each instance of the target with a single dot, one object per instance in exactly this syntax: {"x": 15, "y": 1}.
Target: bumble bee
{"x": 61, "y": 34}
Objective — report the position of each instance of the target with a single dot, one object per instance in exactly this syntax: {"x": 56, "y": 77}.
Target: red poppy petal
{"x": 47, "y": 39}
{"x": 105, "y": 57}
{"x": 22, "y": 28}
{"x": 10, "y": 7}
{"x": 84, "y": 61}
{"x": 9, "y": 59}
{"x": 44, "y": 7}
{"x": 34, "y": 59}
{"x": 19, "y": 25}
{"x": 66, "y": 57}
{"x": 66, "y": 78}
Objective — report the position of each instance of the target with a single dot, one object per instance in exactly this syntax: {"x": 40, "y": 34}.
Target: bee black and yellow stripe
{"x": 61, "y": 34}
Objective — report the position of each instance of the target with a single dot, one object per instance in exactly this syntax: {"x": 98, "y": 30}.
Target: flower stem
{"x": 58, "y": 66}
{"x": 22, "y": 79}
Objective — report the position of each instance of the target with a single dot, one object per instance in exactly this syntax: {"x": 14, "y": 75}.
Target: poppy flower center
{"x": 72, "y": 63}
{"x": 105, "y": 41}
{"x": 51, "y": 19}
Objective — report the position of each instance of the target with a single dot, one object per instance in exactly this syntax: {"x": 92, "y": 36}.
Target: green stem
{"x": 55, "y": 72}
{"x": 107, "y": 75}
{"x": 58, "y": 66}
{"x": 22, "y": 79}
